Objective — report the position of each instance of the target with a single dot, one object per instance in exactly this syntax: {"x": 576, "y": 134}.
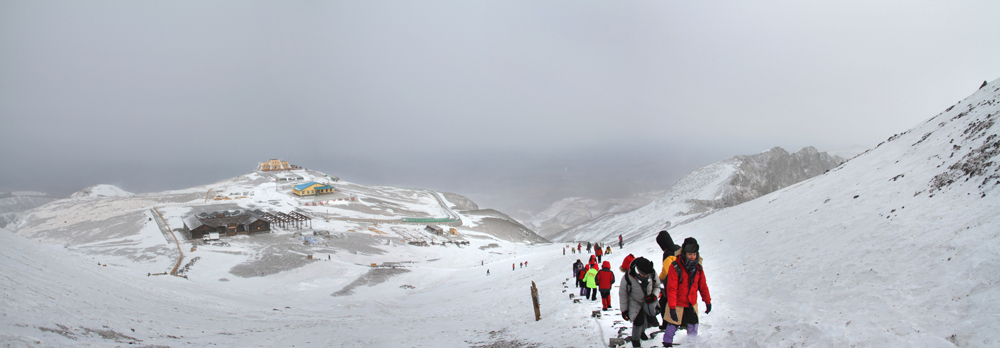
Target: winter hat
{"x": 666, "y": 243}
{"x": 690, "y": 245}
{"x": 644, "y": 265}
{"x": 627, "y": 263}
{"x": 607, "y": 264}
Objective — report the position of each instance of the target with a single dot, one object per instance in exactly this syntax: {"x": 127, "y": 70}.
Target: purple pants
{"x": 668, "y": 334}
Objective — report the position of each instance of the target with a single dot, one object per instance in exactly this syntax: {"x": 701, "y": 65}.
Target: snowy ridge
{"x": 13, "y": 203}
{"x": 101, "y": 190}
{"x": 702, "y": 192}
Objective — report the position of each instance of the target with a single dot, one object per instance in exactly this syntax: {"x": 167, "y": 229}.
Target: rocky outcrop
{"x": 707, "y": 189}
{"x": 766, "y": 172}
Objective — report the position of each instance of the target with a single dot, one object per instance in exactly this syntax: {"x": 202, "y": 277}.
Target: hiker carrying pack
{"x": 670, "y": 253}
{"x": 685, "y": 279}
{"x": 637, "y": 298}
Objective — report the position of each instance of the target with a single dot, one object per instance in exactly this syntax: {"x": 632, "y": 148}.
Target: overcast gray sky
{"x": 507, "y": 102}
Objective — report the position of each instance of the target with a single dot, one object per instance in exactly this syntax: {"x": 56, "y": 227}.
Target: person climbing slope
{"x": 580, "y": 277}
{"x": 598, "y": 252}
{"x": 670, "y": 253}
{"x": 685, "y": 279}
{"x": 591, "y": 280}
{"x": 637, "y": 298}
{"x": 626, "y": 263}
{"x": 605, "y": 278}
{"x": 577, "y": 268}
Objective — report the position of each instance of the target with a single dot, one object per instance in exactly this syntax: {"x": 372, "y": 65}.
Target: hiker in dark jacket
{"x": 605, "y": 278}
{"x": 637, "y": 297}
{"x": 670, "y": 253}
{"x": 577, "y": 268}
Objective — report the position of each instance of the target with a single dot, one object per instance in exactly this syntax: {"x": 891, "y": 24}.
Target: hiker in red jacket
{"x": 685, "y": 279}
{"x": 598, "y": 252}
{"x": 627, "y": 263}
{"x": 605, "y": 278}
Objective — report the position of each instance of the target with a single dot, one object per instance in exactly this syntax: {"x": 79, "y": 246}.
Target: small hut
{"x": 434, "y": 229}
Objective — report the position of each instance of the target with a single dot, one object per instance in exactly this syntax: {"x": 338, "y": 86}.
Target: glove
{"x": 650, "y": 299}
{"x": 625, "y": 315}
{"x": 673, "y": 314}
{"x": 708, "y": 308}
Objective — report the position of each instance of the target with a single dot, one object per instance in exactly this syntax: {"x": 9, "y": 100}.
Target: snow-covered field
{"x": 898, "y": 247}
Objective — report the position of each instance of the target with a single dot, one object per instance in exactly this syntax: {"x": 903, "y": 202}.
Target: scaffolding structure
{"x": 292, "y": 220}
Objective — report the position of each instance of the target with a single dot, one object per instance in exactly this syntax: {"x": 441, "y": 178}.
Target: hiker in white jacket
{"x": 638, "y": 295}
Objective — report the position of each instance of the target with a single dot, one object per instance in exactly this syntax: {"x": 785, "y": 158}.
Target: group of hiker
{"x": 592, "y": 280}
{"x": 646, "y": 297}
{"x": 595, "y": 246}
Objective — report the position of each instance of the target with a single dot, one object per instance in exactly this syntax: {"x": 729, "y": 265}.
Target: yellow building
{"x": 312, "y": 188}
{"x": 275, "y": 164}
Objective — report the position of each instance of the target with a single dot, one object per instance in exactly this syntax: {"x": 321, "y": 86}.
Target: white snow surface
{"x": 895, "y": 248}
{"x": 101, "y": 190}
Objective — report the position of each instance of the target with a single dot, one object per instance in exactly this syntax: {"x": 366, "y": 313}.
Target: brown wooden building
{"x": 228, "y": 223}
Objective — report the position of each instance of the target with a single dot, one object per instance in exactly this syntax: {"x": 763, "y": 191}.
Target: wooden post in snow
{"x": 534, "y": 300}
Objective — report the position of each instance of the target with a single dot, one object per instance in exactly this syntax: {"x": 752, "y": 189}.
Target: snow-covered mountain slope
{"x": 706, "y": 190}
{"x": 899, "y": 247}
{"x": 101, "y": 190}
{"x": 103, "y": 212}
{"x": 12, "y": 203}
{"x": 572, "y": 211}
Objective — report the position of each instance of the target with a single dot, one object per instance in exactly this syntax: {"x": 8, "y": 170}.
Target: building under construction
{"x": 292, "y": 220}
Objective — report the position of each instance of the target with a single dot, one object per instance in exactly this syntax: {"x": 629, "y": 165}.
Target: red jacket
{"x": 598, "y": 252}
{"x": 683, "y": 292}
{"x": 605, "y": 277}
{"x": 583, "y": 272}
